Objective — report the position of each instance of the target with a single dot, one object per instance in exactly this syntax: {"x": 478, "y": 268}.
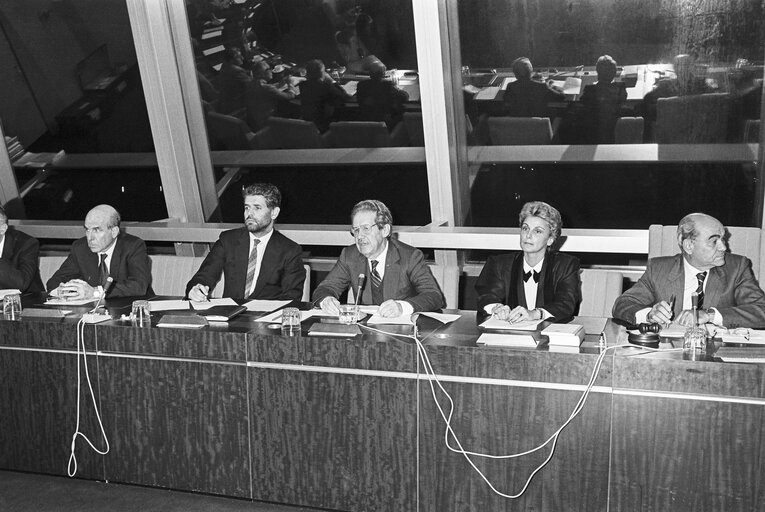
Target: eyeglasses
{"x": 364, "y": 229}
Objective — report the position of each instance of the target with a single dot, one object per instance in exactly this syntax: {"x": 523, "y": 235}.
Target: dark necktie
{"x": 700, "y": 289}
{"x": 527, "y": 275}
{"x": 251, "y": 264}
{"x": 103, "y": 271}
{"x": 377, "y": 293}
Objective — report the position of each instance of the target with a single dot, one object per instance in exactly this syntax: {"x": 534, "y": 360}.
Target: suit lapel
{"x": 392, "y": 271}
{"x": 713, "y": 289}
{"x": 8, "y": 247}
{"x": 676, "y": 283}
{"x": 242, "y": 252}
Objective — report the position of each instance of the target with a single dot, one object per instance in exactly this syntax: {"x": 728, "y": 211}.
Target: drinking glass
{"x": 141, "y": 313}
{"x": 12, "y": 306}
{"x": 290, "y": 322}
{"x": 349, "y": 313}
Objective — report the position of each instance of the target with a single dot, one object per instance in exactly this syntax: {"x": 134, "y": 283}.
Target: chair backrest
{"x": 600, "y": 288}
{"x": 692, "y": 119}
{"x": 513, "y": 131}
{"x": 48, "y": 267}
{"x": 629, "y": 130}
{"x": 358, "y": 134}
{"x": 414, "y": 129}
{"x": 307, "y": 284}
{"x": 229, "y": 131}
{"x": 284, "y": 133}
{"x": 662, "y": 241}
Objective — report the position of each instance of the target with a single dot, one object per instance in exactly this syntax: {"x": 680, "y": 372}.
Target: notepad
{"x": 223, "y": 313}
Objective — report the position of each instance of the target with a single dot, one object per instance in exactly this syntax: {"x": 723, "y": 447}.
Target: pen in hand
{"x": 671, "y": 310}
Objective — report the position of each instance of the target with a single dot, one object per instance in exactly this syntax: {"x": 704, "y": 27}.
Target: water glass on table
{"x": 290, "y": 322}
{"x": 12, "y": 306}
{"x": 141, "y": 313}
{"x": 349, "y": 313}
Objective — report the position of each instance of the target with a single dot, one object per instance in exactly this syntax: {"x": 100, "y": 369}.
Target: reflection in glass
{"x": 604, "y": 72}
{"x": 73, "y": 85}
{"x": 263, "y": 66}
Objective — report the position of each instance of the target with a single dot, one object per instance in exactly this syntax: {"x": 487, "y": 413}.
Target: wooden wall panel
{"x": 38, "y": 403}
{"x": 502, "y": 420}
{"x": 686, "y": 455}
{"x": 344, "y": 442}
{"x": 176, "y": 424}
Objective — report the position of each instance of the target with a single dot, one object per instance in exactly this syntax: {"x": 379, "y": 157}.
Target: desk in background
{"x": 349, "y": 424}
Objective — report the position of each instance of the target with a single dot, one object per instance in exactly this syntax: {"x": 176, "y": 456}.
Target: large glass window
{"x": 573, "y": 78}
{"x": 71, "y": 95}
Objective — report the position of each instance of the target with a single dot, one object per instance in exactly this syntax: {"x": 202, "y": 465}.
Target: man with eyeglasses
{"x": 101, "y": 254}
{"x": 385, "y": 271}
{"x": 19, "y": 259}
{"x": 257, "y": 261}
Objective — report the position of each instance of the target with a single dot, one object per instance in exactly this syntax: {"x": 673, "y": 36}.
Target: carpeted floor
{"x": 26, "y": 492}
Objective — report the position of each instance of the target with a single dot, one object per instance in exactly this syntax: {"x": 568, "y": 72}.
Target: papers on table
{"x": 504, "y": 325}
{"x": 441, "y": 317}
{"x": 744, "y": 336}
{"x": 488, "y": 93}
{"x": 377, "y": 319}
{"x": 169, "y": 305}
{"x": 68, "y": 302}
{"x": 673, "y": 331}
{"x": 265, "y": 305}
{"x": 350, "y": 87}
{"x": 507, "y": 340}
{"x": 572, "y": 85}
{"x": 276, "y": 316}
{"x": 207, "y": 304}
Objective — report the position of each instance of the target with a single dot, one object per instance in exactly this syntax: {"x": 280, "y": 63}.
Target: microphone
{"x": 360, "y": 284}
{"x": 695, "y": 300}
{"x": 92, "y": 317}
{"x": 107, "y": 285}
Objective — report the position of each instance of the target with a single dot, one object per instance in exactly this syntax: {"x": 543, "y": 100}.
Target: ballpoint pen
{"x": 671, "y": 309}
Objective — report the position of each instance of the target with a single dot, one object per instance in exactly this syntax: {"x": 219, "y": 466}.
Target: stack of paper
{"x": 570, "y": 335}
{"x": 507, "y": 340}
{"x": 493, "y": 323}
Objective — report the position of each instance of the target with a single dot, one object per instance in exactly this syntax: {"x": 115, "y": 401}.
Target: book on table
{"x": 222, "y": 313}
{"x": 571, "y": 335}
{"x": 333, "y": 329}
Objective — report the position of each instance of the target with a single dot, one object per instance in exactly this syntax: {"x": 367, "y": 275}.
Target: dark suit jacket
{"x": 318, "y": 100}
{"x": 602, "y": 107}
{"x": 528, "y": 98}
{"x": 20, "y": 263}
{"x": 380, "y": 100}
{"x": 406, "y": 277}
{"x": 130, "y": 267}
{"x": 281, "y": 273}
{"x": 731, "y": 288}
{"x": 559, "y": 290}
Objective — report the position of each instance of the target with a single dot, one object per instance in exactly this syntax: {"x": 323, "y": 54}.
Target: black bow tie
{"x": 527, "y": 275}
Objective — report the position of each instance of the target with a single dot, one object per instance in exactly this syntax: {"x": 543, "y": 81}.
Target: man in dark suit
{"x": 102, "y": 253}
{"x": 19, "y": 259}
{"x": 258, "y": 261}
{"x": 526, "y": 97}
{"x": 379, "y": 99}
{"x": 395, "y": 274}
{"x": 728, "y": 292}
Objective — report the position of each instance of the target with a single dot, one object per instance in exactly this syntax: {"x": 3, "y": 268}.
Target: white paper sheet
{"x": 70, "y": 302}
{"x": 207, "y": 304}
{"x": 495, "y": 323}
{"x": 444, "y": 318}
{"x": 169, "y": 305}
{"x": 507, "y": 340}
{"x": 265, "y": 305}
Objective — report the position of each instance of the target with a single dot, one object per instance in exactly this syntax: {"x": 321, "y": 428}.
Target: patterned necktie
{"x": 251, "y": 264}
{"x": 700, "y": 289}
{"x": 103, "y": 271}
{"x": 527, "y": 275}
{"x": 377, "y": 295}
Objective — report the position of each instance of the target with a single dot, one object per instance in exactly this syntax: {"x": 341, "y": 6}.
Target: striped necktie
{"x": 700, "y": 290}
{"x": 377, "y": 292}
{"x": 103, "y": 271}
{"x": 251, "y": 265}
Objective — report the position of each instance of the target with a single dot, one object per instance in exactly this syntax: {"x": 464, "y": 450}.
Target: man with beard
{"x": 728, "y": 293}
{"x": 102, "y": 253}
{"x": 258, "y": 262}
{"x": 390, "y": 273}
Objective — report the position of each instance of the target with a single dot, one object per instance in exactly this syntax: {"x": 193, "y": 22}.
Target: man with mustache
{"x": 258, "y": 262}
{"x": 728, "y": 292}
{"x": 395, "y": 274}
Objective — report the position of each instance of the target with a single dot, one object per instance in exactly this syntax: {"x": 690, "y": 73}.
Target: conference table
{"x": 351, "y": 424}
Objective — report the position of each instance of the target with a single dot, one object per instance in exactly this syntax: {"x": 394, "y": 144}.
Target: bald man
{"x": 101, "y": 253}
{"x": 728, "y": 292}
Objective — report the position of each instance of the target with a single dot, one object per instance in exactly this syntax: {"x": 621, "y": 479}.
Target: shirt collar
{"x": 537, "y": 267}
{"x": 263, "y": 239}
{"x": 382, "y": 257}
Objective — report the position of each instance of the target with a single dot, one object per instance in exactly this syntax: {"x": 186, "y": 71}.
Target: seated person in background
{"x": 684, "y": 83}
{"x": 395, "y": 274}
{"x": 537, "y": 283}
{"x": 602, "y": 103}
{"x": 319, "y": 95}
{"x": 379, "y": 99}
{"x": 19, "y": 259}
{"x": 233, "y": 82}
{"x": 728, "y": 292}
{"x": 102, "y": 253}
{"x": 353, "y": 51}
{"x": 263, "y": 96}
{"x": 526, "y": 97}
{"x": 258, "y": 261}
